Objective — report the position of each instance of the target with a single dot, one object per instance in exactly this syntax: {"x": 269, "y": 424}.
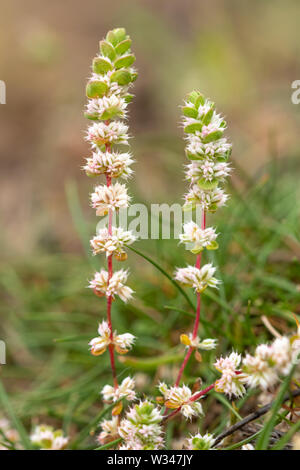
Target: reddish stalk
{"x": 109, "y": 299}
{"x": 197, "y": 319}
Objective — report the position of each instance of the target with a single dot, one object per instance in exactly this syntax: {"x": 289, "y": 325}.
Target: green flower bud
{"x": 125, "y": 61}
{"x": 96, "y": 89}
{"x": 107, "y": 50}
{"x": 213, "y": 246}
{"x": 101, "y": 65}
{"x": 112, "y": 38}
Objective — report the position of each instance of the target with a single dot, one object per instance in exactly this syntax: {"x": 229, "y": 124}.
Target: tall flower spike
{"x": 108, "y": 97}
{"x": 208, "y": 152}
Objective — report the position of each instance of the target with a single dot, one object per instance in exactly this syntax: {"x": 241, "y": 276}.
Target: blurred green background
{"x": 244, "y": 56}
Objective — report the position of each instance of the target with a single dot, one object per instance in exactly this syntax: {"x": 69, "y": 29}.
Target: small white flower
{"x": 98, "y": 107}
{"x": 180, "y": 397}
{"x": 114, "y": 164}
{"x": 197, "y": 278}
{"x": 125, "y": 389}
{"x": 208, "y": 200}
{"x": 122, "y": 343}
{"x": 112, "y": 197}
{"x": 248, "y": 447}
{"x": 115, "y": 286}
{"x": 101, "y": 133}
{"x": 199, "y": 442}
{"x": 200, "y": 238}
{"x": 212, "y": 150}
{"x": 109, "y": 430}
{"x": 258, "y": 368}
{"x": 231, "y": 381}
{"x": 112, "y": 244}
{"x": 208, "y": 171}
{"x": 46, "y": 438}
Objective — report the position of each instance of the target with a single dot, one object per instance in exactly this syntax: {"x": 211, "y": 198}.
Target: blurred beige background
{"x": 242, "y": 54}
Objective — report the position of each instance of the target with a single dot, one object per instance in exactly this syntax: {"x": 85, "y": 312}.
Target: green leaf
{"x": 123, "y": 46}
{"x": 109, "y": 445}
{"x": 101, "y": 65}
{"x": 189, "y": 112}
{"x": 122, "y": 77}
{"x": 192, "y": 128}
{"x": 96, "y": 89}
{"x": 213, "y": 136}
{"x": 120, "y": 34}
{"x": 213, "y": 246}
{"x": 112, "y": 38}
{"x": 263, "y": 441}
{"x": 93, "y": 423}
{"x": 175, "y": 284}
{"x": 150, "y": 363}
{"x": 208, "y": 116}
{"x": 204, "y": 184}
{"x": 125, "y": 61}
{"x": 107, "y": 50}
{"x": 6, "y": 405}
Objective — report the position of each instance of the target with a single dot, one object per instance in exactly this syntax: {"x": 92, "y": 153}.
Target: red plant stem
{"x": 109, "y": 299}
{"x": 197, "y": 319}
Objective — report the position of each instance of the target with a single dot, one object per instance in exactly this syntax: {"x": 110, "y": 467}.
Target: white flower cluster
{"x": 124, "y": 390}
{"x": 114, "y": 164}
{"x": 109, "y": 430}
{"x": 208, "y": 151}
{"x": 199, "y": 442}
{"x": 46, "y": 438}
{"x": 103, "y": 285}
{"x": 112, "y": 244}
{"x": 272, "y": 361}
{"x": 105, "y": 198}
{"x": 197, "y": 278}
{"x": 264, "y": 369}
{"x": 198, "y": 237}
{"x": 141, "y": 429}
{"x": 232, "y": 379}
{"x": 122, "y": 343}
{"x": 180, "y": 397}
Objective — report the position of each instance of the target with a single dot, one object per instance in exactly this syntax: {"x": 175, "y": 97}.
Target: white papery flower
{"x": 112, "y": 244}
{"x": 102, "y": 133}
{"x": 212, "y": 150}
{"x": 197, "y": 278}
{"x": 199, "y": 442}
{"x": 122, "y": 343}
{"x": 112, "y": 197}
{"x": 207, "y": 171}
{"x": 99, "y": 106}
{"x": 8, "y": 434}
{"x": 115, "y": 286}
{"x": 141, "y": 429}
{"x": 180, "y": 397}
{"x": 109, "y": 430}
{"x": 258, "y": 368}
{"x": 46, "y": 438}
{"x": 200, "y": 238}
{"x": 247, "y": 447}
{"x": 114, "y": 164}
{"x": 231, "y": 381}
{"x": 125, "y": 389}
{"x": 208, "y": 200}
{"x": 281, "y": 355}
